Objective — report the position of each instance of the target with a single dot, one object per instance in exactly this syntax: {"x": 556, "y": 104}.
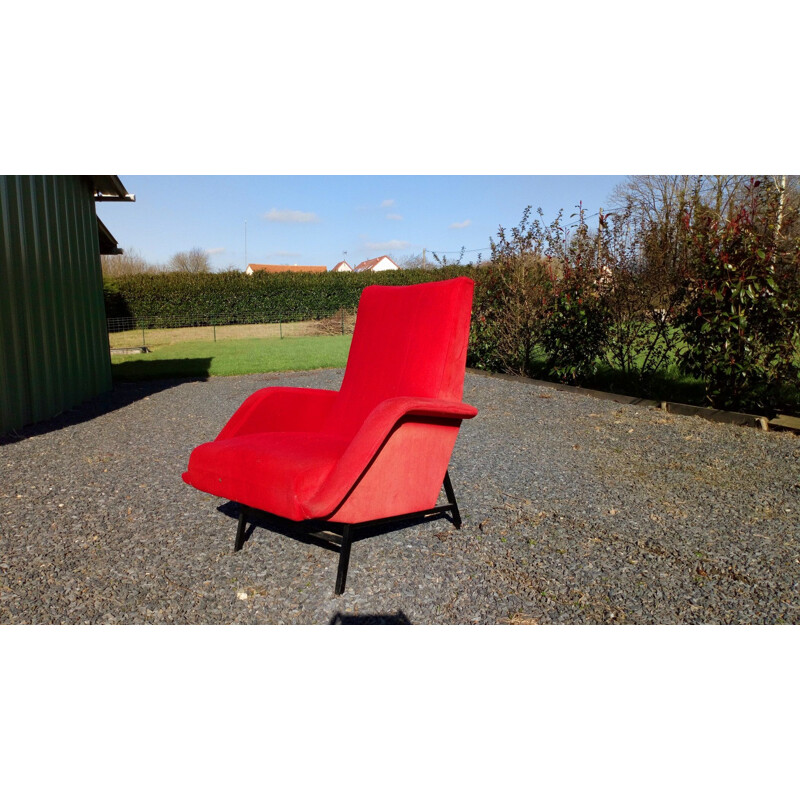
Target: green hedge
{"x": 234, "y": 296}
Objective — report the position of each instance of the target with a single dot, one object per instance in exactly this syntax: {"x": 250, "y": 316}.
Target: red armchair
{"x": 378, "y": 448}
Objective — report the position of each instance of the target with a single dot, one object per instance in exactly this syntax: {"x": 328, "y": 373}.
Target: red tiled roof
{"x": 285, "y": 268}
{"x": 370, "y": 263}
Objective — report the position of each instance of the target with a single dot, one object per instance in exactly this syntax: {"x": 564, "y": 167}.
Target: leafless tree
{"x": 654, "y": 198}
{"x": 131, "y": 262}
{"x": 415, "y": 261}
{"x": 660, "y": 199}
{"x": 194, "y": 260}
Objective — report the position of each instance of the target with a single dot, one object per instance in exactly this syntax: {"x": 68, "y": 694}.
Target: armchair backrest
{"x": 408, "y": 341}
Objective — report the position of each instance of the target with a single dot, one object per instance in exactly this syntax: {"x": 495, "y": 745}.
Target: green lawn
{"x": 200, "y": 359}
{"x": 233, "y": 357}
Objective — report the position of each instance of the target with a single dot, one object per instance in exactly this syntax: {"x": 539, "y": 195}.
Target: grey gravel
{"x": 576, "y": 510}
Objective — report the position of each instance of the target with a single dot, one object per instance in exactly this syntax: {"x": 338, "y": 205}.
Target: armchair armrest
{"x": 376, "y": 429}
{"x": 280, "y": 408}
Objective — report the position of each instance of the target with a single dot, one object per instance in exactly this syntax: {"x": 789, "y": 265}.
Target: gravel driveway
{"x": 576, "y": 510}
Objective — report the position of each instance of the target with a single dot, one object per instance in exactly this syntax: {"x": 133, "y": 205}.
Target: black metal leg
{"x": 344, "y": 539}
{"x": 451, "y": 498}
{"x": 344, "y": 560}
{"x": 240, "y": 530}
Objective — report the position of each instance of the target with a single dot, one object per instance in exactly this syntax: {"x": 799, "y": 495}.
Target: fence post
{"x": 342, "y": 322}
{"x": 214, "y": 326}
{"x": 280, "y": 328}
{"x": 143, "y": 342}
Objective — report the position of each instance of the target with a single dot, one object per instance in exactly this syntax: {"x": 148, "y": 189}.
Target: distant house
{"x": 342, "y": 266}
{"x": 378, "y": 264}
{"x": 253, "y": 268}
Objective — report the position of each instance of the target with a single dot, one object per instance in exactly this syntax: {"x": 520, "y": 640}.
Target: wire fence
{"x": 147, "y": 332}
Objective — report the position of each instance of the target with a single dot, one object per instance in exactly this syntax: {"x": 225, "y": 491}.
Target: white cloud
{"x": 212, "y": 251}
{"x": 394, "y": 216}
{"x": 392, "y": 244}
{"x": 387, "y": 203}
{"x": 287, "y": 215}
{"x": 465, "y": 224}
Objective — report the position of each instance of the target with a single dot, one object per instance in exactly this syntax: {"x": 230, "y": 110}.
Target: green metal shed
{"x": 53, "y": 343}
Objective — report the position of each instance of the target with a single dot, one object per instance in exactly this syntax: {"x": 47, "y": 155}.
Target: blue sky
{"x": 309, "y": 219}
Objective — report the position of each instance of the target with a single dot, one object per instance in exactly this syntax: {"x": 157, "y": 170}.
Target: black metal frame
{"x": 345, "y": 538}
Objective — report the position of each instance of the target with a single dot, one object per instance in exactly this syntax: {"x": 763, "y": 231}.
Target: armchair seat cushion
{"x": 273, "y": 471}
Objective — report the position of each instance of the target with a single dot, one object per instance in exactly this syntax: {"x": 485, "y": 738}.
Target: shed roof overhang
{"x": 108, "y": 244}
{"x": 109, "y": 188}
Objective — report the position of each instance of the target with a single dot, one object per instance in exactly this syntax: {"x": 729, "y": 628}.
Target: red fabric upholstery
{"x": 379, "y": 446}
{"x": 271, "y": 471}
{"x": 280, "y": 408}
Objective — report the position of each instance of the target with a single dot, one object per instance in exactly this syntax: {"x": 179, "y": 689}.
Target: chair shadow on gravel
{"x": 370, "y": 619}
{"x": 122, "y": 394}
